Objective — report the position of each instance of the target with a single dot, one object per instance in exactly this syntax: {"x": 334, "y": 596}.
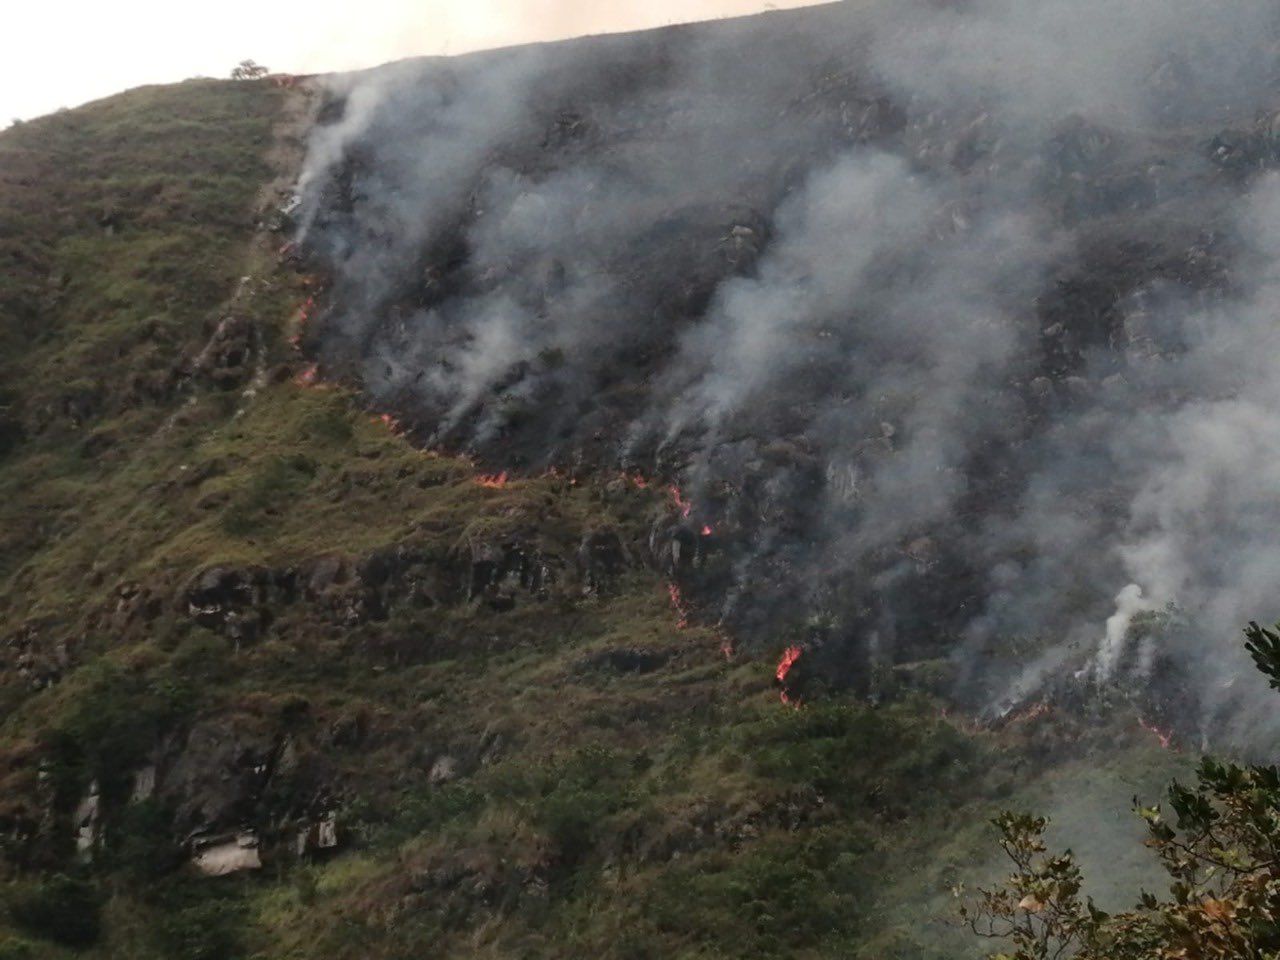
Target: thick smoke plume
{"x": 954, "y": 319}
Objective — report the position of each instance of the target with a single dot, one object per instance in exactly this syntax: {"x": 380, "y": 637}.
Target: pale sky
{"x": 61, "y": 53}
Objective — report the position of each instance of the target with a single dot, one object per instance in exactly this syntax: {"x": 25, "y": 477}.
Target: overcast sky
{"x": 61, "y": 53}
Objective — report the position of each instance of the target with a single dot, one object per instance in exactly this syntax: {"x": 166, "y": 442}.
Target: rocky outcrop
{"x": 601, "y": 557}
{"x": 500, "y": 573}
{"x": 241, "y": 603}
{"x": 234, "y": 788}
{"x": 675, "y": 548}
{"x": 318, "y": 837}
{"x": 227, "y": 359}
{"x": 215, "y": 776}
{"x": 222, "y": 855}
{"x": 86, "y": 821}
{"x": 135, "y": 602}
{"x": 237, "y": 602}
{"x": 38, "y": 657}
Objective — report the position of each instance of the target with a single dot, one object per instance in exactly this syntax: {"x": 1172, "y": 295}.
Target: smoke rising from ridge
{"x": 954, "y": 317}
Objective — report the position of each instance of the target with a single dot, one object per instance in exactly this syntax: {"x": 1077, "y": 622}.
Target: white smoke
{"x": 1114, "y": 61}
{"x": 946, "y": 306}
{"x": 1129, "y": 604}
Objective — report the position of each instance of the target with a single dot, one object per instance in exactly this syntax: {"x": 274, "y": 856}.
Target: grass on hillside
{"x": 681, "y": 811}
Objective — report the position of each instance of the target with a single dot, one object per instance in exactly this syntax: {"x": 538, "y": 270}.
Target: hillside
{"x": 404, "y": 701}
{"x": 945, "y": 318}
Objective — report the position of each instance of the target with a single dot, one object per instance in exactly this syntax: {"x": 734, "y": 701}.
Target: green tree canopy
{"x": 249, "y": 70}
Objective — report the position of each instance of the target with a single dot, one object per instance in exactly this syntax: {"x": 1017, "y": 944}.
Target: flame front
{"x": 1031, "y": 713}
{"x": 681, "y": 504}
{"x": 305, "y": 313}
{"x": 789, "y": 658}
{"x": 1164, "y": 736}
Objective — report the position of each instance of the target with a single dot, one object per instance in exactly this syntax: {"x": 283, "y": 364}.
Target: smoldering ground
{"x": 952, "y": 319}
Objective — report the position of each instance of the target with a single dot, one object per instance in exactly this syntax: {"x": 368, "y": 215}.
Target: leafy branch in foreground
{"x": 1221, "y": 852}
{"x": 1040, "y": 911}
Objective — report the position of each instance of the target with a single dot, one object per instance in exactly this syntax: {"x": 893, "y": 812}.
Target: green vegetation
{"x": 517, "y": 765}
{"x": 1220, "y": 854}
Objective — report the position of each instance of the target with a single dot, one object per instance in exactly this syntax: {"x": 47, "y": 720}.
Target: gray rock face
{"x": 443, "y": 770}
{"x": 601, "y": 557}
{"x": 223, "y": 855}
{"x": 86, "y": 822}
{"x": 237, "y": 602}
{"x": 216, "y": 775}
{"x": 144, "y": 785}
{"x": 227, "y": 359}
{"x": 503, "y": 572}
{"x": 317, "y": 837}
{"x": 242, "y": 603}
{"x": 239, "y": 788}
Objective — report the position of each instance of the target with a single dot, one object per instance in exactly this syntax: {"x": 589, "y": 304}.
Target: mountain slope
{"x": 243, "y": 623}
{"x": 947, "y": 319}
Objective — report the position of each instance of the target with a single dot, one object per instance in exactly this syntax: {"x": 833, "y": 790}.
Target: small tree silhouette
{"x": 249, "y": 70}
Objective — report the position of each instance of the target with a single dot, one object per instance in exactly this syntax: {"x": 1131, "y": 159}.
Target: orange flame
{"x": 390, "y": 422}
{"x": 789, "y": 658}
{"x": 681, "y": 504}
{"x": 492, "y": 481}
{"x": 706, "y": 530}
{"x": 308, "y": 377}
{"x": 304, "y": 317}
{"x": 1165, "y": 737}
{"x": 682, "y": 611}
{"x": 641, "y": 482}
{"x": 1031, "y": 713}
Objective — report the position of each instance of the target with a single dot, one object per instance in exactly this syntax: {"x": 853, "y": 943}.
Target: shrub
{"x": 248, "y": 70}
{"x": 275, "y": 484}
{"x": 204, "y": 931}
{"x": 62, "y": 909}
{"x": 13, "y": 949}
